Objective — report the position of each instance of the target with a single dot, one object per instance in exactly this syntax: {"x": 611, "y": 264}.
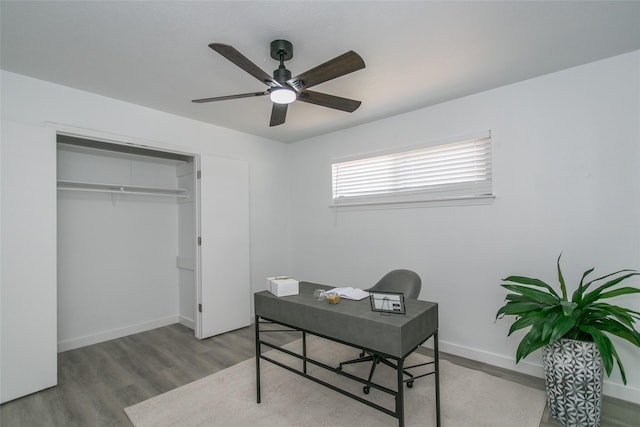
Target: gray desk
{"x": 353, "y": 323}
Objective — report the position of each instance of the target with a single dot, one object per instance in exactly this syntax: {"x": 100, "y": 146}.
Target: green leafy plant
{"x": 584, "y": 317}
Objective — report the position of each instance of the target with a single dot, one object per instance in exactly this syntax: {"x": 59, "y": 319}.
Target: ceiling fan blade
{"x": 329, "y": 101}
{"x": 278, "y": 114}
{"x": 223, "y": 98}
{"x": 336, "y": 67}
{"x": 243, "y": 62}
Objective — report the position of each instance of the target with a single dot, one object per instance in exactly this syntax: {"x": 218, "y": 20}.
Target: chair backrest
{"x": 406, "y": 282}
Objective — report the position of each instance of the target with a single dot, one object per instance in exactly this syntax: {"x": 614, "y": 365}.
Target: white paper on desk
{"x": 350, "y": 293}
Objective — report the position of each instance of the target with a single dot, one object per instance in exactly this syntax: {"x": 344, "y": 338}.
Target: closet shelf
{"x": 121, "y": 189}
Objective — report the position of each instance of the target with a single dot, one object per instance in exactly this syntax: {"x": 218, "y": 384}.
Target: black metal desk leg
{"x": 257, "y": 325}
{"x": 437, "y": 376}
{"x": 304, "y": 352}
{"x": 400, "y": 396}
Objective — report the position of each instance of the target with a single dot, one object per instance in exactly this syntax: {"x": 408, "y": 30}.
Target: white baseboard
{"x": 622, "y": 392}
{"x": 525, "y": 366}
{"x": 115, "y": 333}
{"x": 618, "y": 391}
{"x": 189, "y": 323}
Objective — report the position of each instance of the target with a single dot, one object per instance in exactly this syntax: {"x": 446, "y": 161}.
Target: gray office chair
{"x": 409, "y": 284}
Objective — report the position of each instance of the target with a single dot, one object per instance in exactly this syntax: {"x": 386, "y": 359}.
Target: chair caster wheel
{"x": 366, "y": 389}
{"x": 410, "y": 384}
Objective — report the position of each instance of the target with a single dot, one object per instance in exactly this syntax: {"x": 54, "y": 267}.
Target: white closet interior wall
{"x": 186, "y": 247}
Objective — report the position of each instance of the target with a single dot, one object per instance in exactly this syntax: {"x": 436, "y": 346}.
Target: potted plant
{"x": 573, "y": 333}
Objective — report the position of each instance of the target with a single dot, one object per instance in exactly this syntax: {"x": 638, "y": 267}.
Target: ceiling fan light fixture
{"x": 282, "y": 95}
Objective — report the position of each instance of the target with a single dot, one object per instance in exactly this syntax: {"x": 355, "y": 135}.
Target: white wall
{"x": 566, "y": 179}
{"x": 26, "y": 105}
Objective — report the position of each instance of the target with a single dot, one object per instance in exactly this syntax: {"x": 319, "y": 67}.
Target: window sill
{"x": 361, "y": 205}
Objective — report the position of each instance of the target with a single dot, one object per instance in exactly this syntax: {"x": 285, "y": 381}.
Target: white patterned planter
{"x": 573, "y": 375}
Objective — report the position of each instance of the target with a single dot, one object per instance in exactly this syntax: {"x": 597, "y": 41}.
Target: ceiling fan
{"x": 284, "y": 89}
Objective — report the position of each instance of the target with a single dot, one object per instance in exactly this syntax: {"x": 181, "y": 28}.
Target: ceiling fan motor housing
{"x": 281, "y": 75}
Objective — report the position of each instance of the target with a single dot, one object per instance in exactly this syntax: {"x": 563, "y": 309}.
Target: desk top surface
{"x": 352, "y": 322}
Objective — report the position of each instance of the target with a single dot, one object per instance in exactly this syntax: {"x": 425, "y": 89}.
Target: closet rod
{"x": 122, "y": 189}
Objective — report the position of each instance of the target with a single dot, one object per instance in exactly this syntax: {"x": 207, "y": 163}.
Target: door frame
{"x": 143, "y": 144}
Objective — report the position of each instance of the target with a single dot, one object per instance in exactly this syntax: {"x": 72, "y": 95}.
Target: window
{"x": 454, "y": 172}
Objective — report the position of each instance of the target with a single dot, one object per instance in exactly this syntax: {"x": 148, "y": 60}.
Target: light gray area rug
{"x": 228, "y": 397}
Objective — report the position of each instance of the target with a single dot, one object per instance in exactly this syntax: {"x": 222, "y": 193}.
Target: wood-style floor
{"x": 95, "y": 383}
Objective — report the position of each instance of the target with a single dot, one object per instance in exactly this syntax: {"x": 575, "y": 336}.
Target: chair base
{"x": 375, "y": 359}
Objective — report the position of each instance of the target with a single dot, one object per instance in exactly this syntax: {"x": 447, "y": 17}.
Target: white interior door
{"x": 28, "y": 311}
{"x": 224, "y": 296}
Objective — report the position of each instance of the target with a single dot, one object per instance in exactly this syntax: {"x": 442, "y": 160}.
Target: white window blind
{"x": 452, "y": 171}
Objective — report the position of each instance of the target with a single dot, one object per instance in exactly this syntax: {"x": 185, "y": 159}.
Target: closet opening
{"x": 127, "y": 254}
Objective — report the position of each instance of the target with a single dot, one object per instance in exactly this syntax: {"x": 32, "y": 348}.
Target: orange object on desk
{"x": 333, "y": 299}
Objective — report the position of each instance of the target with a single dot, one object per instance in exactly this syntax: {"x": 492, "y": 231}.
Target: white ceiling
{"x": 417, "y": 53}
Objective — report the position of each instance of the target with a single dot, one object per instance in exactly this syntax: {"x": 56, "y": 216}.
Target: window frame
{"x": 413, "y": 198}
